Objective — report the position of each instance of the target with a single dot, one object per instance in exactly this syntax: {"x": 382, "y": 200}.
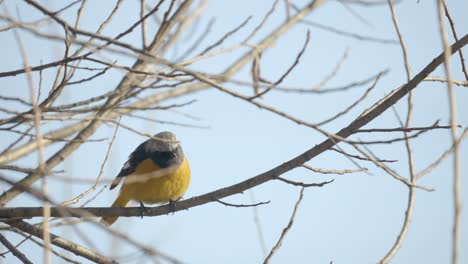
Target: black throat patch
{"x": 167, "y": 159}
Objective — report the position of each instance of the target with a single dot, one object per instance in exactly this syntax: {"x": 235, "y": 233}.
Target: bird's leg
{"x": 142, "y": 209}
{"x": 172, "y": 204}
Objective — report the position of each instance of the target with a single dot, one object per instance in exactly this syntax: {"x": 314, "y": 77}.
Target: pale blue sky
{"x": 355, "y": 219}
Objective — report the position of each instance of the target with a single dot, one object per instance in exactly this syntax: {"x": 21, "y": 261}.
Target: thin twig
{"x": 225, "y": 36}
{"x": 93, "y": 187}
{"x": 442, "y": 157}
{"x": 302, "y": 184}
{"x": 241, "y": 205}
{"x": 439, "y": 79}
{"x": 296, "y": 62}
{"x": 62, "y": 243}
{"x": 144, "y": 40}
{"x": 455, "y": 36}
{"x": 264, "y": 20}
{"x": 340, "y": 172}
{"x": 401, "y": 129}
{"x": 40, "y": 146}
{"x": 332, "y": 74}
{"x": 356, "y": 102}
{"x": 359, "y": 157}
{"x": 14, "y": 250}
{"x": 286, "y": 229}
{"x": 349, "y": 34}
{"x": 28, "y": 237}
{"x": 258, "y": 225}
{"x": 457, "y": 199}
{"x": 400, "y": 38}
{"x": 411, "y": 192}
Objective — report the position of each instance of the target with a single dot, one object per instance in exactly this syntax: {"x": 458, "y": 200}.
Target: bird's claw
{"x": 173, "y": 203}
{"x": 142, "y": 209}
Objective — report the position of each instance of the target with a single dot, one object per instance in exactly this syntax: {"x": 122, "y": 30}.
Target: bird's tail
{"x": 121, "y": 201}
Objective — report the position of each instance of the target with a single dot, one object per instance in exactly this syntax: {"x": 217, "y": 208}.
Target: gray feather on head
{"x": 164, "y": 141}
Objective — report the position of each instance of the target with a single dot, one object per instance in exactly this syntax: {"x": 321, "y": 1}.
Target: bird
{"x": 157, "y": 171}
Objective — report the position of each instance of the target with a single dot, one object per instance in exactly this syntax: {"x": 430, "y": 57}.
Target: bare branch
{"x": 360, "y": 99}
{"x": 304, "y": 185}
{"x": 442, "y": 157}
{"x": 349, "y": 34}
{"x": 286, "y": 229}
{"x": 60, "y": 242}
{"x": 439, "y": 79}
{"x": 242, "y": 205}
{"x": 40, "y": 146}
{"x": 455, "y": 36}
{"x": 296, "y": 62}
{"x": 340, "y": 172}
{"x": 14, "y": 250}
{"x": 401, "y": 129}
{"x": 231, "y": 70}
{"x": 457, "y": 199}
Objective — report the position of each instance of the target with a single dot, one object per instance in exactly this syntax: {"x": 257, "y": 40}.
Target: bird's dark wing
{"x": 135, "y": 158}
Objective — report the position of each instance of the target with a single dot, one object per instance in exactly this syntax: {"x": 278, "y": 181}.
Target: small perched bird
{"x": 157, "y": 171}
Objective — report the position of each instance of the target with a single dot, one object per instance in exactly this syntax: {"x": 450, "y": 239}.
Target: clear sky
{"x": 355, "y": 219}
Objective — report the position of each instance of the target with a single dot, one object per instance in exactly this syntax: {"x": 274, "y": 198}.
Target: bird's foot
{"x": 142, "y": 209}
{"x": 173, "y": 203}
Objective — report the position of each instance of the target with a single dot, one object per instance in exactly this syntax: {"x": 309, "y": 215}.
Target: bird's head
{"x": 165, "y": 142}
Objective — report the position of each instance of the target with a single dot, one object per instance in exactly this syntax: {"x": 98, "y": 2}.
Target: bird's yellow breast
{"x": 147, "y": 188}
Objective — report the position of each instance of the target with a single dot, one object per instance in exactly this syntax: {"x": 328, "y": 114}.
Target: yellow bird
{"x": 157, "y": 171}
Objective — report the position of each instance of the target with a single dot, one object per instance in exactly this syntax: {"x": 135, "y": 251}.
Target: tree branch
{"x": 60, "y": 242}
{"x": 271, "y": 174}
